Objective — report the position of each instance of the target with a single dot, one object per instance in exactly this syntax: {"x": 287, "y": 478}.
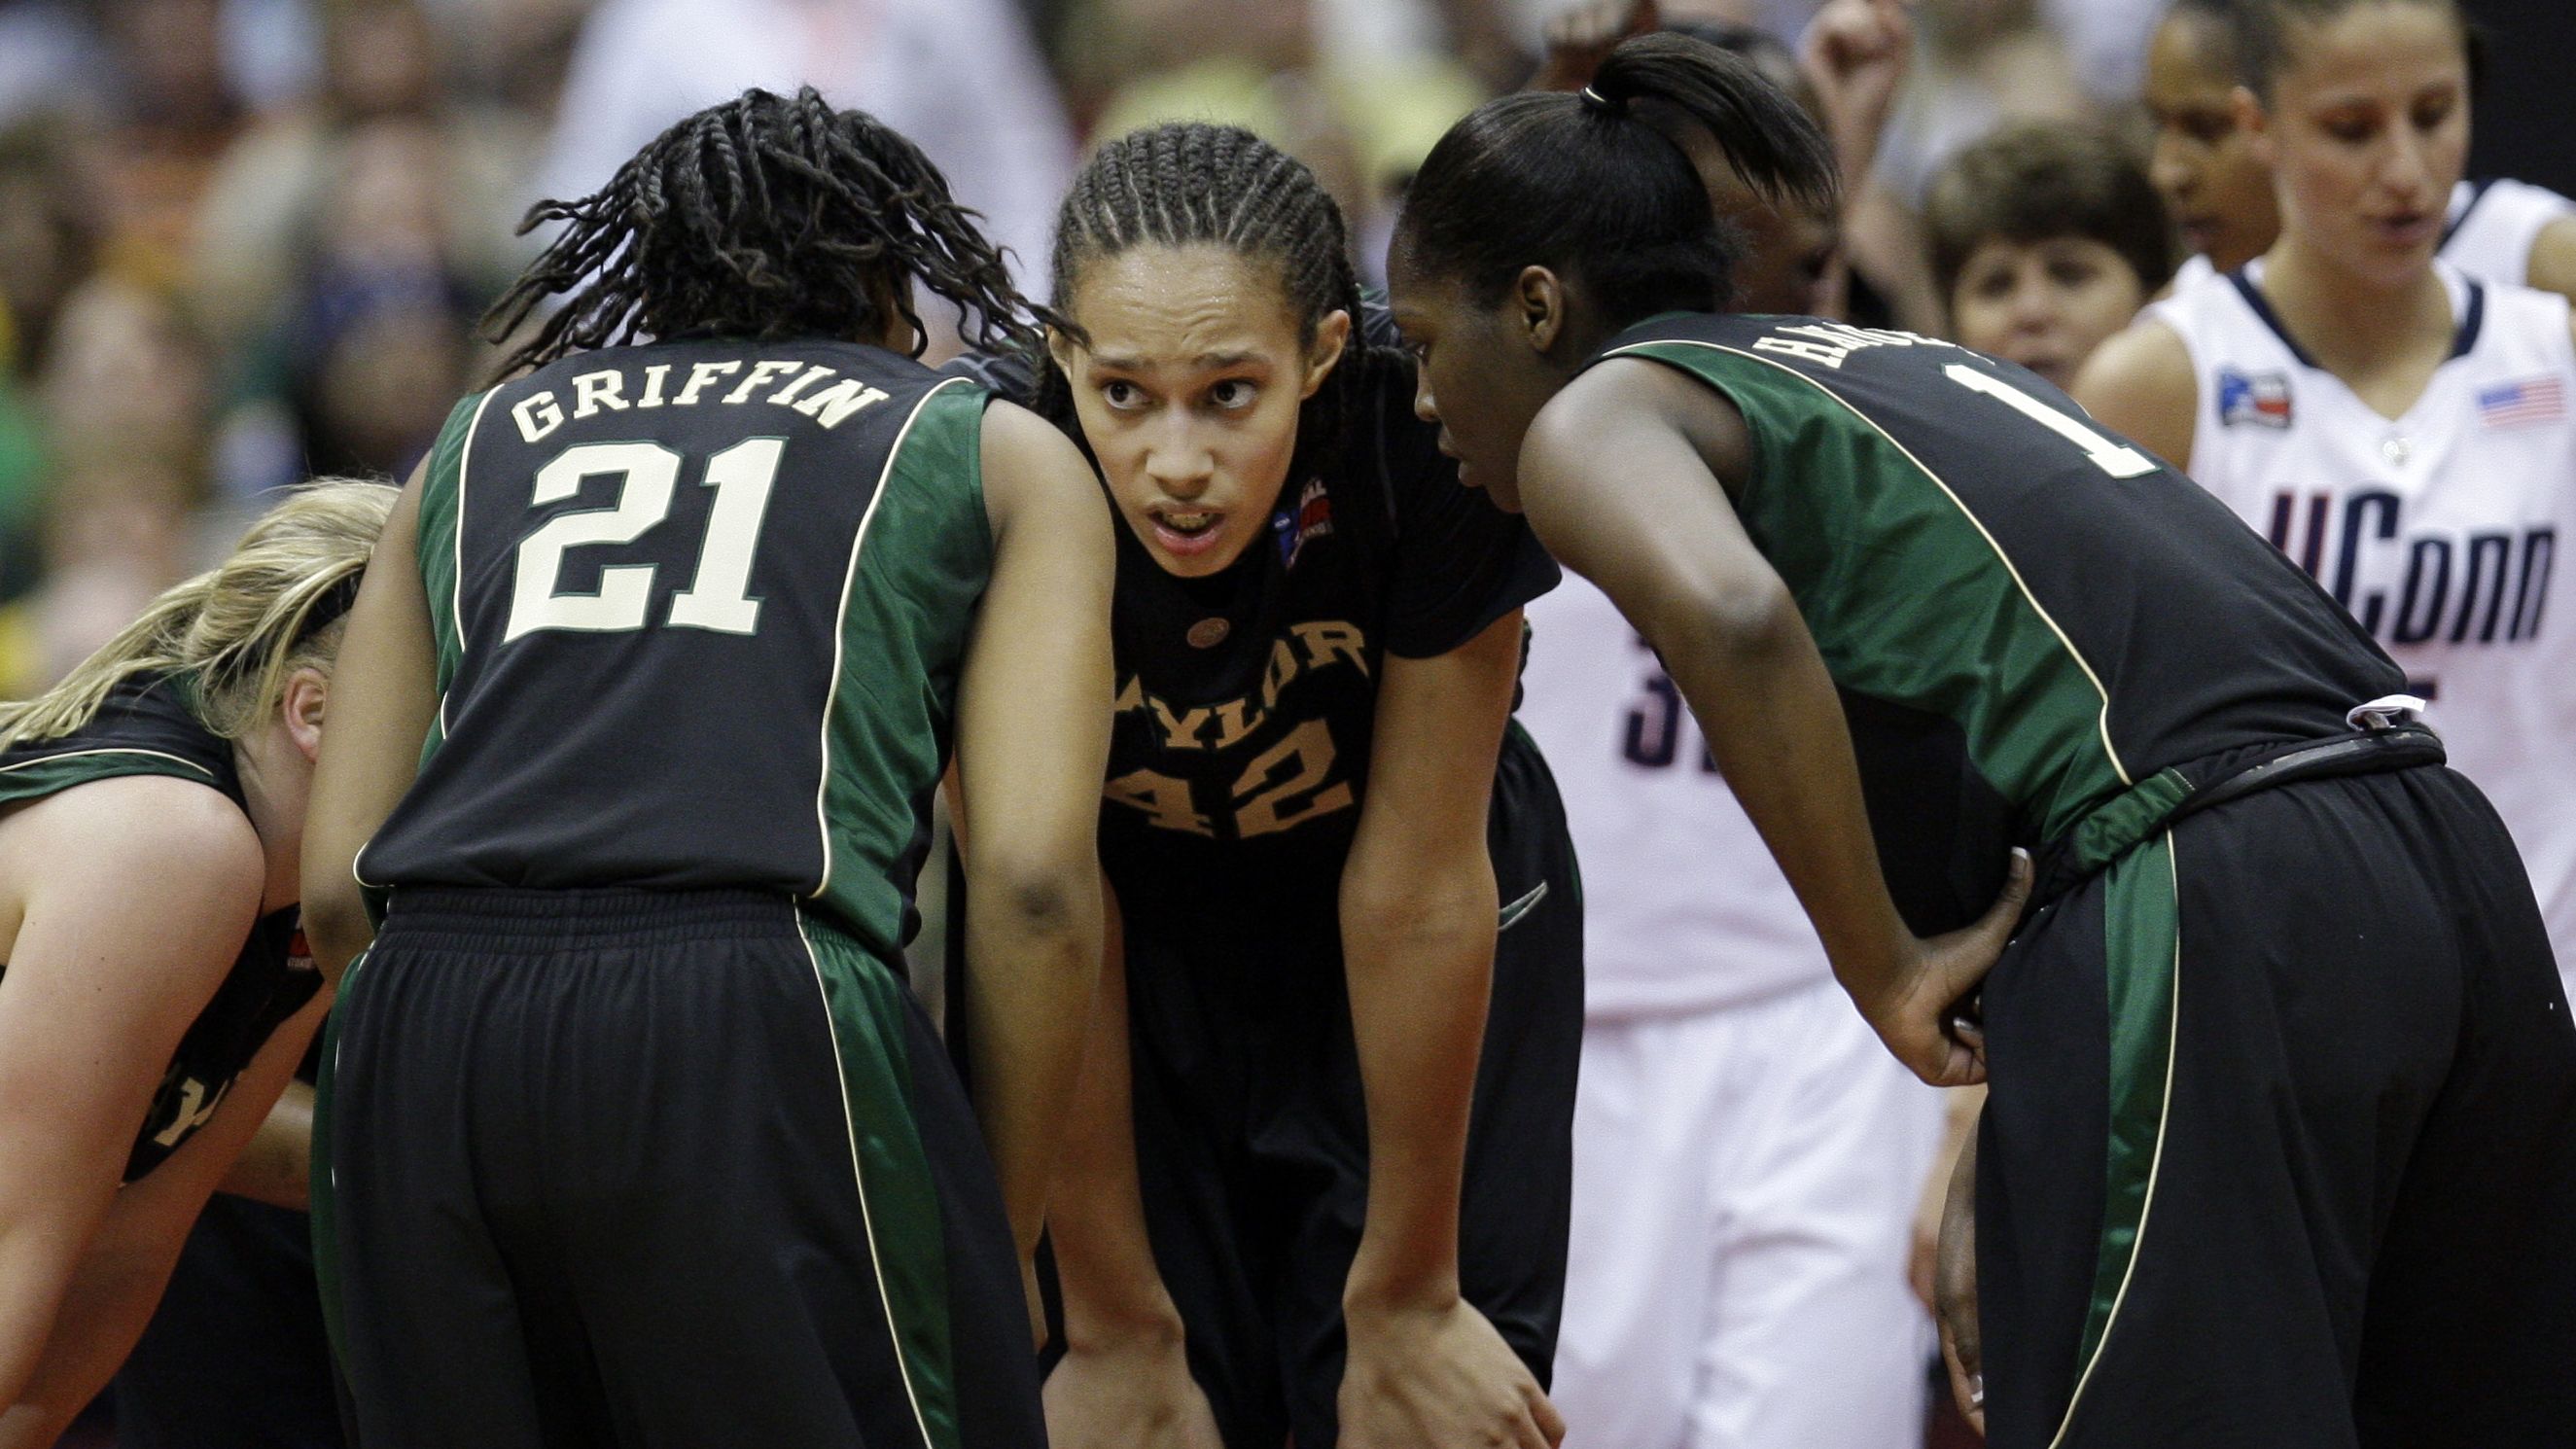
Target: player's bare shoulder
{"x": 2141, "y": 384}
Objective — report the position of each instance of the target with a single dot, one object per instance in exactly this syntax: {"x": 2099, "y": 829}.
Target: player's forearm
{"x": 1104, "y": 1259}
{"x": 1033, "y": 955}
{"x": 103, "y": 1311}
{"x": 277, "y": 1167}
{"x": 1420, "y": 969}
{"x": 1775, "y": 725}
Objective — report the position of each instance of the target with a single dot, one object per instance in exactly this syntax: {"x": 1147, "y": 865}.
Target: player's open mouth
{"x": 1187, "y": 532}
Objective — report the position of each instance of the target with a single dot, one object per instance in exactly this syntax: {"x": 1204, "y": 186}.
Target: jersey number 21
{"x": 648, "y": 474}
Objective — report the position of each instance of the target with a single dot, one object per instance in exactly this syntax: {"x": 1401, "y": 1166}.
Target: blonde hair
{"x": 238, "y": 629}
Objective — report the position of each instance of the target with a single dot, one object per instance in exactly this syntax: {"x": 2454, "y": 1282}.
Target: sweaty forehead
{"x": 2381, "y": 46}
{"x": 1178, "y": 307}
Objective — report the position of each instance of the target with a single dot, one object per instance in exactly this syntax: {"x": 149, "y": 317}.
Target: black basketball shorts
{"x": 656, "y": 1169}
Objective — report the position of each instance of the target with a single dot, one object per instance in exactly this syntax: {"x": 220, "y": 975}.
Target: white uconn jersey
{"x": 2493, "y": 225}
{"x": 2441, "y": 530}
{"x": 1683, "y": 909}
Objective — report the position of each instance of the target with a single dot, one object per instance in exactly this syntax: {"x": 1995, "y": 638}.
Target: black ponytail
{"x": 1591, "y": 185}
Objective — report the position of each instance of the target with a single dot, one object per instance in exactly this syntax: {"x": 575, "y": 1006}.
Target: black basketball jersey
{"x": 700, "y": 610}
{"x": 1247, "y": 701}
{"x": 145, "y": 728}
{"x": 2028, "y": 618}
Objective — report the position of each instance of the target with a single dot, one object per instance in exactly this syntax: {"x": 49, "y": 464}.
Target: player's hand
{"x": 1914, "y": 1018}
{"x": 1439, "y": 1378}
{"x": 1581, "y": 37}
{"x": 1954, "y": 1293}
{"x": 1130, "y": 1393}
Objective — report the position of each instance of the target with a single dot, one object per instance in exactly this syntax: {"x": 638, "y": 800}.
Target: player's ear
{"x": 1538, "y": 304}
{"x": 2255, "y": 122}
{"x": 1331, "y": 336}
{"x": 307, "y": 695}
{"x": 1061, "y": 347}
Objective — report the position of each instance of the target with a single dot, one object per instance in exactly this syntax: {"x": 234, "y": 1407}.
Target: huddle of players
{"x": 631, "y": 1115}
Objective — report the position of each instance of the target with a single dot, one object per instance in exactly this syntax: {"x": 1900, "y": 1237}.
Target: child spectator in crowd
{"x": 2045, "y": 240}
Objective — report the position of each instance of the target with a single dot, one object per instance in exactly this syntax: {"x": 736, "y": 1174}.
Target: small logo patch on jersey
{"x": 2259, "y": 398}
{"x": 1208, "y": 633}
{"x": 2522, "y": 402}
{"x": 1313, "y": 518}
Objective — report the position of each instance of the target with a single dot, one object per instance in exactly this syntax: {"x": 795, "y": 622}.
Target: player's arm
{"x": 1124, "y": 1381}
{"x": 120, "y": 1279}
{"x": 1418, "y": 917}
{"x": 2140, "y": 384}
{"x": 101, "y": 986}
{"x": 1619, "y": 475}
{"x": 384, "y": 694}
{"x": 276, "y": 1167}
{"x": 2553, "y": 258}
{"x": 1032, "y": 745}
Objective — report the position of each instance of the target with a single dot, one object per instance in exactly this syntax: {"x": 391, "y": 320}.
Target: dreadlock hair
{"x": 766, "y": 217}
{"x": 239, "y": 629}
{"x": 1583, "y": 185}
{"x": 2259, "y": 34}
{"x": 1187, "y": 183}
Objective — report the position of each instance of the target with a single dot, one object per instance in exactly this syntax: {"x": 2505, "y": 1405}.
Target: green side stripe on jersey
{"x": 2142, "y": 941}
{"x": 442, "y": 512}
{"x": 917, "y": 569}
{"x": 898, "y": 1199}
{"x": 1907, "y": 593}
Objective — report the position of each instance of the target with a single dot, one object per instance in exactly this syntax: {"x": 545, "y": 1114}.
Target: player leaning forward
{"x": 637, "y": 1135}
{"x": 2282, "y": 1140}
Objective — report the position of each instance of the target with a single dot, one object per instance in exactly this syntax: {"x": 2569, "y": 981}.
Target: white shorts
{"x": 1744, "y": 1189}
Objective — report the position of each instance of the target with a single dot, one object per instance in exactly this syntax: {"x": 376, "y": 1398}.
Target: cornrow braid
{"x": 1187, "y": 183}
{"x": 767, "y": 217}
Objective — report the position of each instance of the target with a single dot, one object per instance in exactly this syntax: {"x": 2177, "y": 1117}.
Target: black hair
{"x": 1768, "y": 53}
{"x": 2258, "y": 33}
{"x": 1583, "y": 186}
{"x": 2037, "y": 180}
{"x": 1188, "y": 183}
{"x": 766, "y": 217}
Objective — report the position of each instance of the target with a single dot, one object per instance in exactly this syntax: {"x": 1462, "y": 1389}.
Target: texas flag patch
{"x": 2258, "y": 398}
{"x": 2523, "y": 402}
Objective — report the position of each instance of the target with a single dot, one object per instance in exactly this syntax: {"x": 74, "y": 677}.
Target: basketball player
{"x": 2399, "y": 428}
{"x": 1746, "y": 1157}
{"x": 1350, "y": 916}
{"x": 633, "y": 1131}
{"x": 144, "y": 1033}
{"x": 2220, "y": 188}
{"x": 1867, "y": 556}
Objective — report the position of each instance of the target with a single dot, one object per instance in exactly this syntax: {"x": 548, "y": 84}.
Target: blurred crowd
{"x": 243, "y": 242}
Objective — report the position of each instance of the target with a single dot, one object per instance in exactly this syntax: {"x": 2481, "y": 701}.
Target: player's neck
{"x": 266, "y": 782}
{"x": 2357, "y": 327}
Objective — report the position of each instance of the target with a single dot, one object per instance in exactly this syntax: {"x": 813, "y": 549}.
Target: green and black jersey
{"x": 700, "y": 608}
{"x": 2037, "y": 629}
{"x": 146, "y": 728}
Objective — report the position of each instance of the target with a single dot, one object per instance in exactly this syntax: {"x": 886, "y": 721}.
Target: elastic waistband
{"x": 2166, "y": 798}
{"x": 486, "y": 916}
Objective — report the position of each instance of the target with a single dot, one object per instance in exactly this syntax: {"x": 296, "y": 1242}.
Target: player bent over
{"x": 2282, "y": 1140}
{"x": 635, "y": 1135}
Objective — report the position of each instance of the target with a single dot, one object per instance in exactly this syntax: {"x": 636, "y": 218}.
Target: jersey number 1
{"x": 647, "y": 475}
{"x": 2107, "y": 454}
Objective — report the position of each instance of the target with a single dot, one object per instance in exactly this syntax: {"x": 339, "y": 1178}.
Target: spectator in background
{"x": 2046, "y": 240}
{"x": 47, "y": 237}
{"x": 960, "y": 77}
{"x": 1359, "y": 122}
